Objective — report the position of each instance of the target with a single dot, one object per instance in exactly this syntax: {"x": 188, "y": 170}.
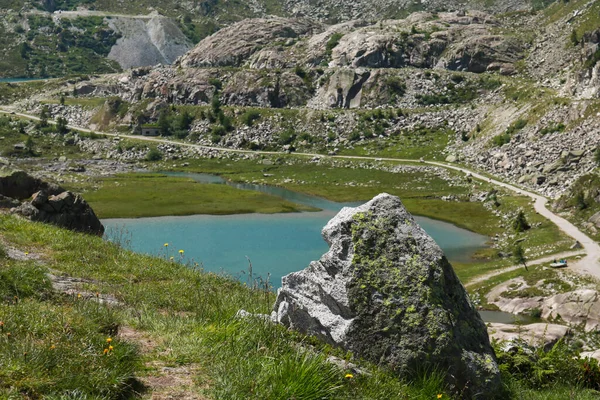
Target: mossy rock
{"x": 386, "y": 292}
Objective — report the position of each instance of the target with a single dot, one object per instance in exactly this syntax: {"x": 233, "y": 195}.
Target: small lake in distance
{"x": 4, "y": 80}
{"x": 276, "y": 244}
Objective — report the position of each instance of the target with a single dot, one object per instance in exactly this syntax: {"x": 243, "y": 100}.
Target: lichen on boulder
{"x": 386, "y": 292}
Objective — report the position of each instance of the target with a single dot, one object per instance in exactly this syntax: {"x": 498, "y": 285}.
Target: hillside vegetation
{"x": 144, "y": 325}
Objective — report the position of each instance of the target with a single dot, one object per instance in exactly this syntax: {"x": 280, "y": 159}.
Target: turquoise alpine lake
{"x": 5, "y": 80}
{"x": 275, "y": 244}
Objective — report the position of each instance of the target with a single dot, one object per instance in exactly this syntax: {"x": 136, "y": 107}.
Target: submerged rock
{"x": 386, "y": 292}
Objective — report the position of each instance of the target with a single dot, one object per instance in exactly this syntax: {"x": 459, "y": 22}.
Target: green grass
{"x": 85, "y": 102}
{"x": 183, "y": 312}
{"x": 47, "y": 340}
{"x": 44, "y": 145}
{"x": 419, "y": 143}
{"x": 148, "y": 195}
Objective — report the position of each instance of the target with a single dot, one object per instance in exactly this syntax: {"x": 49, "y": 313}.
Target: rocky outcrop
{"x": 343, "y": 10}
{"x": 67, "y": 210}
{"x": 50, "y": 203}
{"x": 232, "y": 46}
{"x": 578, "y": 308}
{"x": 386, "y": 292}
{"x": 157, "y": 40}
{"x": 423, "y": 40}
{"x": 536, "y": 335}
{"x": 19, "y": 185}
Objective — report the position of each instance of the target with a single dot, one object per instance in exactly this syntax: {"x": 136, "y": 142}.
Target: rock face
{"x": 578, "y": 308}
{"x": 67, "y": 210}
{"x": 386, "y": 292}
{"x": 50, "y": 203}
{"x": 18, "y": 184}
{"x": 155, "y": 41}
{"x": 232, "y": 46}
{"x": 539, "y": 334}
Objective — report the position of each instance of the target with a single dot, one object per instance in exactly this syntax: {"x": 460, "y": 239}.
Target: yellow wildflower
{"x": 181, "y": 252}
{"x": 166, "y": 244}
{"x": 52, "y": 347}
{"x": 171, "y": 258}
{"x": 78, "y": 295}
{"x": 105, "y": 351}
{"x": 349, "y": 376}
{"x": 108, "y": 340}
{"x": 26, "y": 253}
{"x": 110, "y": 348}
{"x": 439, "y": 396}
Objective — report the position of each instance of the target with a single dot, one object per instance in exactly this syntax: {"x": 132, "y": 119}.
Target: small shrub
{"x": 535, "y": 313}
{"x": 153, "y": 155}
{"x": 501, "y": 139}
{"x": 551, "y": 128}
{"x": 333, "y": 41}
{"x": 287, "y": 137}
{"x": 520, "y": 223}
{"x": 456, "y": 78}
{"x": 354, "y": 136}
{"x": 574, "y": 39}
{"x": 396, "y": 87}
{"x": 61, "y": 125}
{"x": 580, "y": 201}
{"x": 300, "y": 71}
{"x": 516, "y": 126}
{"x": 249, "y": 117}
{"x": 216, "y": 83}
{"x": 597, "y": 155}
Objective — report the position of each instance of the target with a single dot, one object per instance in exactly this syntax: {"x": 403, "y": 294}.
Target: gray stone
{"x": 7, "y": 202}
{"x": 386, "y": 292}
{"x": 20, "y": 185}
{"x": 67, "y": 210}
{"x": 595, "y": 219}
{"x": 537, "y": 335}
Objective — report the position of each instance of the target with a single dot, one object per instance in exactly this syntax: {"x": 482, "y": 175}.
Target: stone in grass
{"x": 386, "y": 292}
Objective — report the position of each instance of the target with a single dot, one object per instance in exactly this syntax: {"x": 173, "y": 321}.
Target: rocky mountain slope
{"x": 38, "y": 44}
{"x": 512, "y": 94}
{"x": 157, "y": 40}
{"x": 165, "y": 30}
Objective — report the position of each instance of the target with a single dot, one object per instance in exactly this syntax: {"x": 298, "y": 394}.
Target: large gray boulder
{"x": 386, "y": 292}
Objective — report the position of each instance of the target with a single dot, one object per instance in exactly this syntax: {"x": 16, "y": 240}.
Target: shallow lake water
{"x": 276, "y": 244}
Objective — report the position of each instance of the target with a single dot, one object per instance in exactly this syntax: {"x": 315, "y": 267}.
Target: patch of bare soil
{"x": 164, "y": 382}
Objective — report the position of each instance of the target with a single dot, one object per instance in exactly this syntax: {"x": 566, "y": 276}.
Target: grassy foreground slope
{"x": 143, "y": 325}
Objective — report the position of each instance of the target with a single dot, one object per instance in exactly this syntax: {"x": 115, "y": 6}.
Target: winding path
{"x": 589, "y": 264}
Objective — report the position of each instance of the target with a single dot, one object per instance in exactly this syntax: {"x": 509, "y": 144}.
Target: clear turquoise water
{"x": 16, "y": 79}
{"x": 276, "y": 244}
